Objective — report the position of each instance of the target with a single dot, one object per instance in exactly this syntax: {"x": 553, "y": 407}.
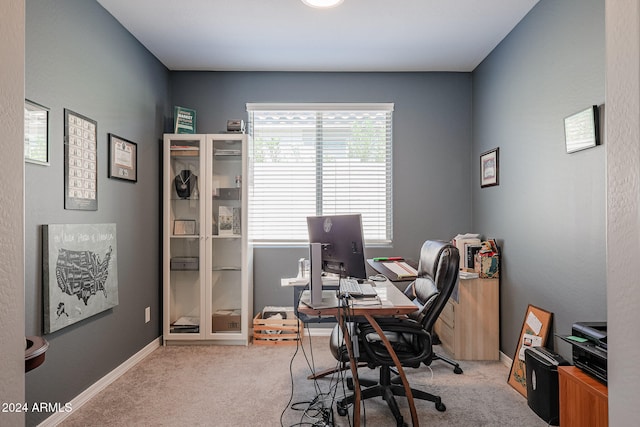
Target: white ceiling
{"x": 286, "y": 35}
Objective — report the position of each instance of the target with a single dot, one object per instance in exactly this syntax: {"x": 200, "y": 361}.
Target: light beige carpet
{"x": 252, "y": 386}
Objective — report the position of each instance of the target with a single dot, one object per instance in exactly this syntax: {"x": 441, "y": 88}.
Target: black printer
{"x": 589, "y": 342}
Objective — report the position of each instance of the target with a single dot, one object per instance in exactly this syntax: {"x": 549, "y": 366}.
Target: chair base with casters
{"x": 387, "y": 389}
{"x": 410, "y": 292}
{"x": 456, "y": 366}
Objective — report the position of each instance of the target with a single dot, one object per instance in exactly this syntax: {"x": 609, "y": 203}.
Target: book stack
{"x": 184, "y": 151}
{"x": 468, "y": 245}
{"x": 235, "y": 221}
{"x": 186, "y": 324}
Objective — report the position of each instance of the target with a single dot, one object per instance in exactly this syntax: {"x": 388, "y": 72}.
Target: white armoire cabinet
{"x": 207, "y": 278}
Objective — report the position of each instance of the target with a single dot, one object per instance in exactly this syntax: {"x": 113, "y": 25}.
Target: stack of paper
{"x": 401, "y": 269}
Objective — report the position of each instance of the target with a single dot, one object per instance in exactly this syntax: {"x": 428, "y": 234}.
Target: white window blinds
{"x": 319, "y": 159}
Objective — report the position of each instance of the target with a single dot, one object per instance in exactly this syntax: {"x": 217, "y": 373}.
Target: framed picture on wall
{"x": 123, "y": 159}
{"x": 80, "y": 162}
{"x": 80, "y": 272}
{"x": 489, "y": 168}
{"x": 582, "y": 129}
{"x": 36, "y": 133}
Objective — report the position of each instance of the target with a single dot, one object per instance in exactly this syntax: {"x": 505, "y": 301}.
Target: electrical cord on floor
{"x": 350, "y": 319}
{"x": 319, "y": 411}
{"x": 315, "y": 411}
{"x": 291, "y": 377}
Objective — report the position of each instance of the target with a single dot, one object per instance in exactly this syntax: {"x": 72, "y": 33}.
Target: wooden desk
{"x": 584, "y": 401}
{"x": 394, "y": 302}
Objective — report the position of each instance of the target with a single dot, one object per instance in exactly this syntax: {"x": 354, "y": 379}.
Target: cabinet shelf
{"x": 188, "y": 199}
{"x": 227, "y": 156}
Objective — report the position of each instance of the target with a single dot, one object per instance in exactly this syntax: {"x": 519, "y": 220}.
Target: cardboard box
{"x": 487, "y": 265}
{"x": 226, "y": 321}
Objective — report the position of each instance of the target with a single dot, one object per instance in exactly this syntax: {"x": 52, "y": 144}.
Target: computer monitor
{"x": 342, "y": 243}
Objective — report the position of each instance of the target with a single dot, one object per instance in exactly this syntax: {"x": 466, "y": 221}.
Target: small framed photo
{"x": 123, "y": 159}
{"x": 489, "y": 168}
{"x": 184, "y": 227}
{"x": 36, "y": 133}
{"x": 582, "y": 129}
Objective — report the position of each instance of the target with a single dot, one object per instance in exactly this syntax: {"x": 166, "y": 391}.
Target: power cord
{"x": 315, "y": 413}
{"x": 319, "y": 411}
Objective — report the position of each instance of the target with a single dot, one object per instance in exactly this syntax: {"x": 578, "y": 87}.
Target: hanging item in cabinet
{"x": 185, "y": 183}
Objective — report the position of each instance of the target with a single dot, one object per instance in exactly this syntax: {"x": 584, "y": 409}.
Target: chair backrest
{"x": 437, "y": 276}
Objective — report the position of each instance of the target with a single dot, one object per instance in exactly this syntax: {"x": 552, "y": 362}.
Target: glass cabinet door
{"x": 184, "y": 186}
{"x": 226, "y": 237}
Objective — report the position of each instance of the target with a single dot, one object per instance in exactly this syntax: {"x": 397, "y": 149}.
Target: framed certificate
{"x": 123, "y": 159}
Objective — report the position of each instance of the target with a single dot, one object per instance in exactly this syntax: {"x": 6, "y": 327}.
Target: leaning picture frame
{"x": 536, "y": 323}
{"x": 184, "y": 227}
{"x": 123, "y": 159}
{"x": 36, "y": 133}
{"x": 489, "y": 168}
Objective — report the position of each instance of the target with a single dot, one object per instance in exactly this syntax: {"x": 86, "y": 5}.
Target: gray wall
{"x": 549, "y": 209}
{"x": 79, "y": 57}
{"x": 431, "y": 152}
{"x": 12, "y": 383}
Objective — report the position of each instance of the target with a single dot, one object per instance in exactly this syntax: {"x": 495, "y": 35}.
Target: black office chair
{"x": 410, "y": 337}
{"x": 410, "y": 293}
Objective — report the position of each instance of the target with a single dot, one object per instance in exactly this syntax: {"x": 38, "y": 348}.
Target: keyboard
{"x": 355, "y": 289}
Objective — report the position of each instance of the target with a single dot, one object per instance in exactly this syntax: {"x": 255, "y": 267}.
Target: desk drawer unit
{"x": 448, "y": 315}
{"x": 469, "y": 329}
{"x": 445, "y": 327}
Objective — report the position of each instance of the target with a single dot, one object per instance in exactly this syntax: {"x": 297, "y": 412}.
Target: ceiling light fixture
{"x": 322, "y": 4}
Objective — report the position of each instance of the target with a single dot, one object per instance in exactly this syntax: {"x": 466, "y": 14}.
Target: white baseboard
{"x": 506, "y": 360}
{"x": 101, "y": 384}
{"x": 318, "y": 332}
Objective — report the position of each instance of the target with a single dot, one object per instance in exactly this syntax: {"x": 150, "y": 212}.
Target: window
{"x": 319, "y": 159}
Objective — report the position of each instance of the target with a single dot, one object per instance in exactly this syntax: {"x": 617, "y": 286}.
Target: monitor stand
{"x": 315, "y": 284}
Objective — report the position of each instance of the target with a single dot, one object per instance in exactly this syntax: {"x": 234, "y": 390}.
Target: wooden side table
{"x": 584, "y": 401}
